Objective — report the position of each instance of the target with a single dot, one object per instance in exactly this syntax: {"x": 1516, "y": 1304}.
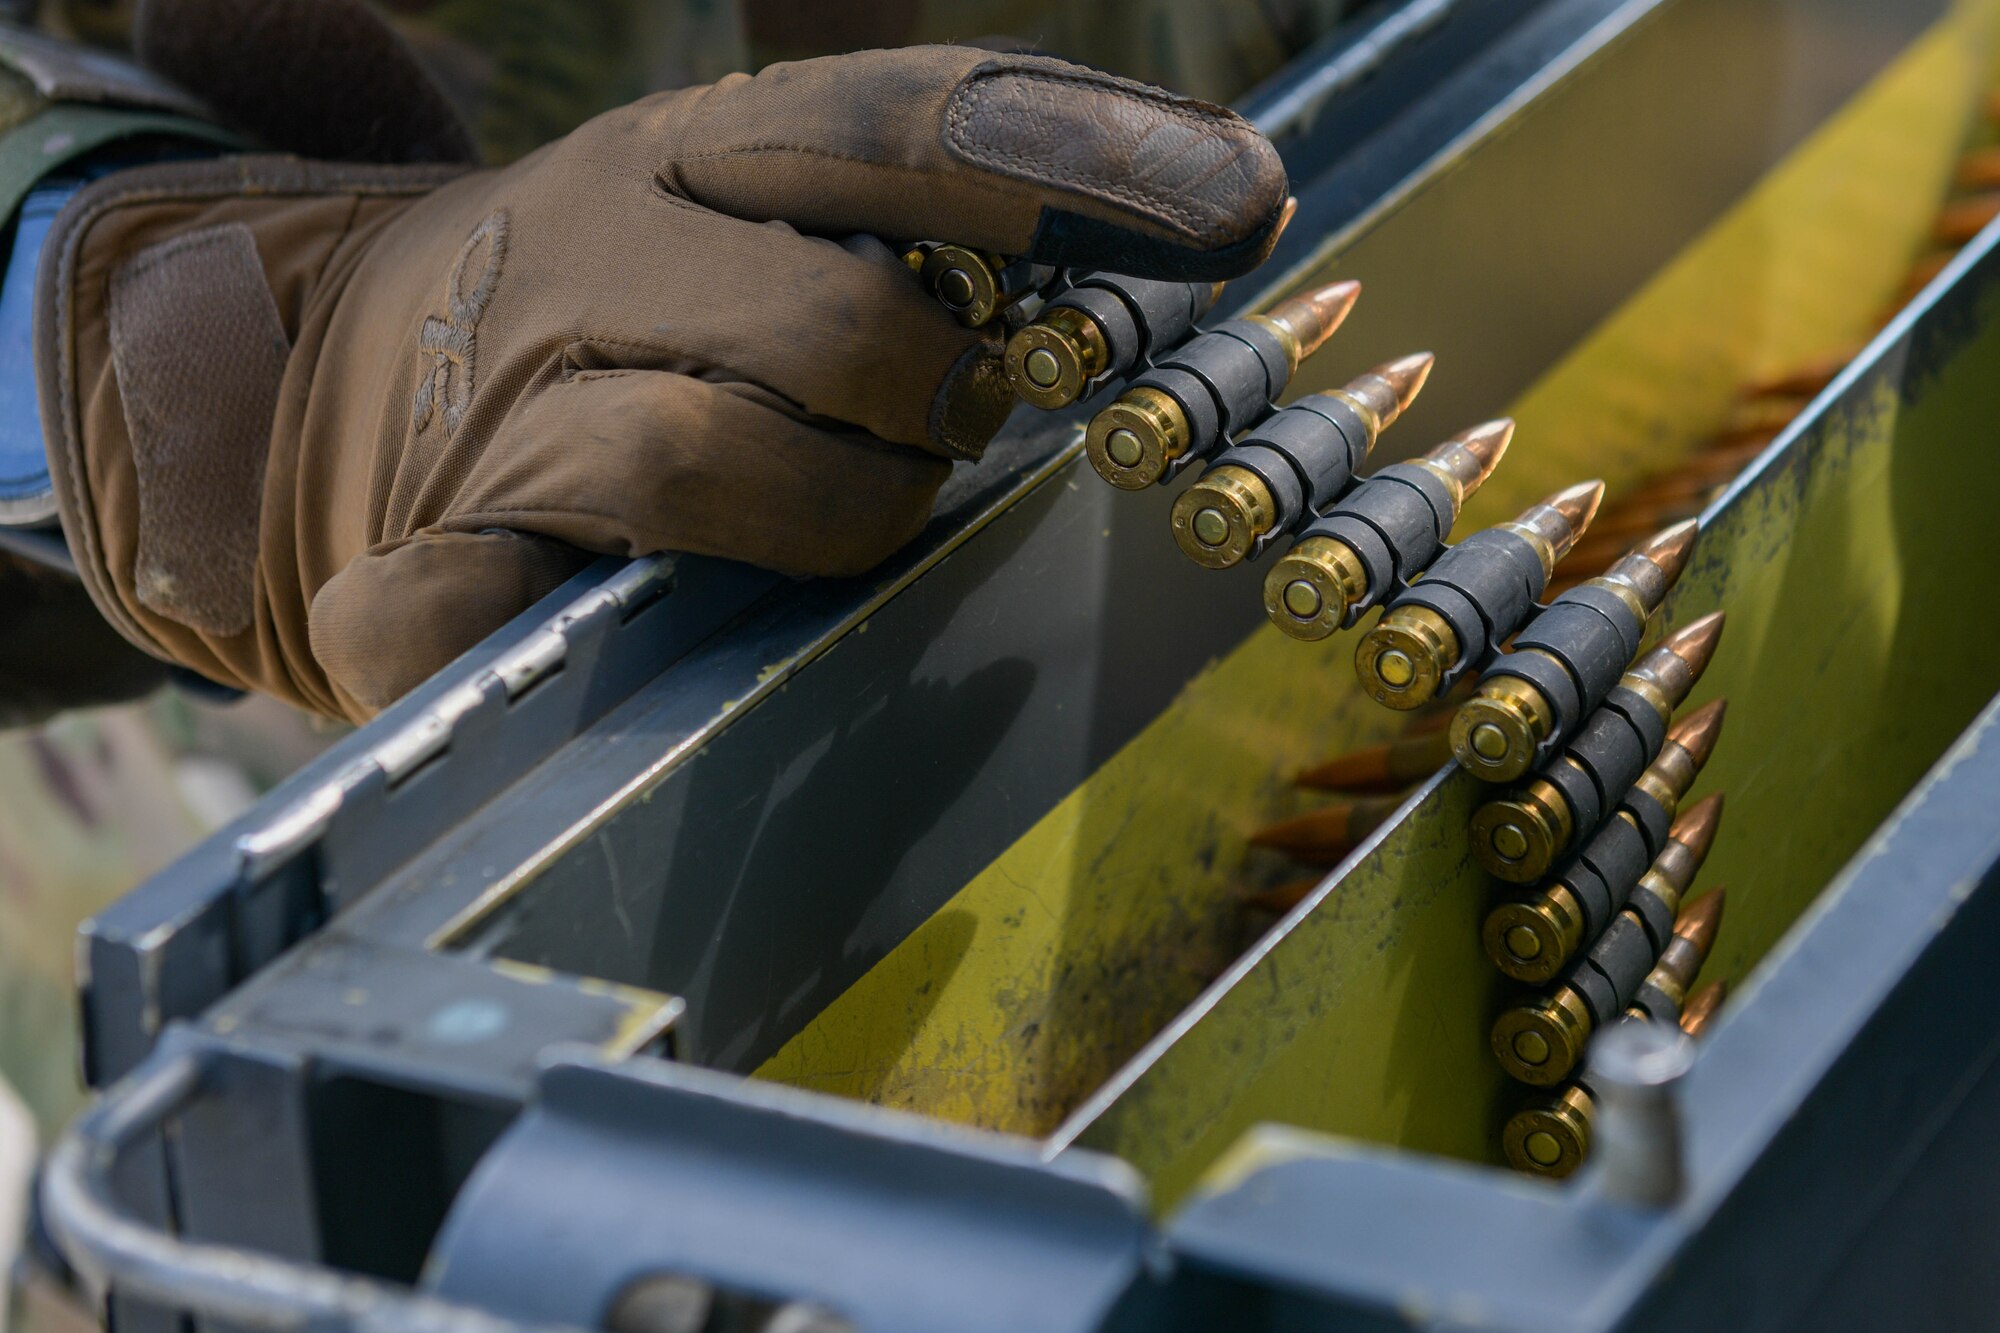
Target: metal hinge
{"x": 301, "y": 824}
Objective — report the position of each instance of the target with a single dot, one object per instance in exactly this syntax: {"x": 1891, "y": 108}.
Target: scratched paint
{"x": 1055, "y": 964}
{"x": 1366, "y": 1017}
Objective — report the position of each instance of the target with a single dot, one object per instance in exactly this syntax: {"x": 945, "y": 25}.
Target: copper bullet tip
{"x": 1698, "y": 731}
{"x": 1964, "y": 219}
{"x": 1285, "y": 215}
{"x": 1694, "y": 642}
{"x": 1311, "y": 317}
{"x": 1406, "y": 376}
{"x": 1284, "y": 897}
{"x": 1387, "y": 767}
{"x": 1699, "y": 921}
{"x": 1470, "y": 456}
{"x": 1702, "y": 1006}
{"x": 1578, "y": 504}
{"x": 1555, "y": 523}
{"x": 1488, "y": 442}
{"x": 1695, "y": 829}
{"x": 1326, "y": 836}
{"x": 1388, "y": 389}
{"x": 1670, "y": 547}
{"x": 1980, "y": 169}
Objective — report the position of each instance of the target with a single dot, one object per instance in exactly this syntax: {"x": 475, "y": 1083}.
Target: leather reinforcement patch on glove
{"x": 1196, "y": 170}
{"x": 199, "y": 352}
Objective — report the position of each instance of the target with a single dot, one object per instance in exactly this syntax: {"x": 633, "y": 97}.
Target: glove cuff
{"x": 161, "y": 353}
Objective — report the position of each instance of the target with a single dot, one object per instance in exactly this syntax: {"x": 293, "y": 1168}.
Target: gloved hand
{"x": 318, "y": 428}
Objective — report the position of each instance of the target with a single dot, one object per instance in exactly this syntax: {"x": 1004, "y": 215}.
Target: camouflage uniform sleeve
{"x": 523, "y": 72}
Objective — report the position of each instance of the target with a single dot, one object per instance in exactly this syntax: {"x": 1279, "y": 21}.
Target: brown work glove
{"x": 316, "y": 429}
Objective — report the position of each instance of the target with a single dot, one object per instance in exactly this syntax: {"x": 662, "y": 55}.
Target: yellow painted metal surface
{"x": 1852, "y": 657}
{"x": 1105, "y": 919}
{"x": 1048, "y": 971}
{"x": 1805, "y": 266}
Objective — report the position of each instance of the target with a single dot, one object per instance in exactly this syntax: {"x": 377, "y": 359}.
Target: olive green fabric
{"x": 620, "y": 344}
{"x": 320, "y": 78}
{"x": 57, "y": 652}
{"x": 522, "y": 72}
{"x": 56, "y": 135}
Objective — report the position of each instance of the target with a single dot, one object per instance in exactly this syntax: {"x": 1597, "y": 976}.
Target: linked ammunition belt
{"x": 1521, "y": 653}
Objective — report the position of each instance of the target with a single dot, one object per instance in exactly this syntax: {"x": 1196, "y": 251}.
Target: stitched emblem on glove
{"x": 446, "y": 388}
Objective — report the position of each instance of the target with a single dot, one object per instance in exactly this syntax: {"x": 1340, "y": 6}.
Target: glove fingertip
{"x": 1131, "y": 177}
